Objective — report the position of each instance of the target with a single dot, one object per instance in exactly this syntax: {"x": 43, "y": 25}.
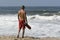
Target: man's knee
{"x": 19, "y": 29}
{"x": 23, "y": 28}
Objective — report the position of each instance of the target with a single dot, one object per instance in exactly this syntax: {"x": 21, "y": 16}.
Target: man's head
{"x": 23, "y": 7}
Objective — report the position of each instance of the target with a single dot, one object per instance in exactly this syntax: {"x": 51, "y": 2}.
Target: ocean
{"x": 44, "y": 21}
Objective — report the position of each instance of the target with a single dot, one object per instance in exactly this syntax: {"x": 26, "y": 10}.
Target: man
{"x": 22, "y": 20}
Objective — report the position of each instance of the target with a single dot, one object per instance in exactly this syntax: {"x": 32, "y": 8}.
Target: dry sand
{"x": 27, "y": 38}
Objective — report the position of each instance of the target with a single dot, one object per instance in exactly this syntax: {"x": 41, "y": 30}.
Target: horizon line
{"x": 30, "y": 6}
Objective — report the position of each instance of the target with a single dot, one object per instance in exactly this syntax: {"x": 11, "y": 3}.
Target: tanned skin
{"x": 22, "y": 16}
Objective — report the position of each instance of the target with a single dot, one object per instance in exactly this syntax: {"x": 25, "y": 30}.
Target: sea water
{"x": 44, "y": 21}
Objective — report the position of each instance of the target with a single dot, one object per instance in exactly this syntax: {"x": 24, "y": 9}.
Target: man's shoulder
{"x": 19, "y": 11}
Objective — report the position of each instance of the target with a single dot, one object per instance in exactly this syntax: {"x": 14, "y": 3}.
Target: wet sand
{"x": 27, "y": 38}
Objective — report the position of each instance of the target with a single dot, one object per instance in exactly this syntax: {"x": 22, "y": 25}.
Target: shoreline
{"x": 28, "y": 38}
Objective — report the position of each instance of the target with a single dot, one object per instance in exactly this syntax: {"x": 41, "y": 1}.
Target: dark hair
{"x": 23, "y": 7}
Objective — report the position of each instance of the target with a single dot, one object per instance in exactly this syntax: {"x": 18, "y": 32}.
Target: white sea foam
{"x": 54, "y": 17}
{"x": 42, "y": 26}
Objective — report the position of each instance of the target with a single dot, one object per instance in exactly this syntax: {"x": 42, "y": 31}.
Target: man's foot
{"x": 22, "y": 36}
{"x": 15, "y": 39}
{"x": 17, "y": 36}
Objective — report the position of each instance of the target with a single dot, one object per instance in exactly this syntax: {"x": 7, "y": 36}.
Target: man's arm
{"x": 18, "y": 16}
{"x": 26, "y": 18}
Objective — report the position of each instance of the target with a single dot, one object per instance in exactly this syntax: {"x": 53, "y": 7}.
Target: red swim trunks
{"x": 21, "y": 24}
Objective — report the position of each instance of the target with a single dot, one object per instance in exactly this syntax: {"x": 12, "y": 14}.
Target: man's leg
{"x": 19, "y": 29}
{"x": 18, "y": 33}
{"x": 23, "y": 32}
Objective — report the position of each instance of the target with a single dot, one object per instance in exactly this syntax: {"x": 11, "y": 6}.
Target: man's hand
{"x": 26, "y": 21}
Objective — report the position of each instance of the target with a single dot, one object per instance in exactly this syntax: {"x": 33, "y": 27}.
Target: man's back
{"x": 21, "y": 14}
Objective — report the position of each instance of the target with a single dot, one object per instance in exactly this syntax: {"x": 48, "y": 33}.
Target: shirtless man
{"x": 22, "y": 19}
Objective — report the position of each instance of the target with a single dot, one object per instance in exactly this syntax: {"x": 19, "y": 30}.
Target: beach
{"x": 44, "y": 22}
{"x": 27, "y": 38}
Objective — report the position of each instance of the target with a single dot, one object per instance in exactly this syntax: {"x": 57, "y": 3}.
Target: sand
{"x": 27, "y": 38}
